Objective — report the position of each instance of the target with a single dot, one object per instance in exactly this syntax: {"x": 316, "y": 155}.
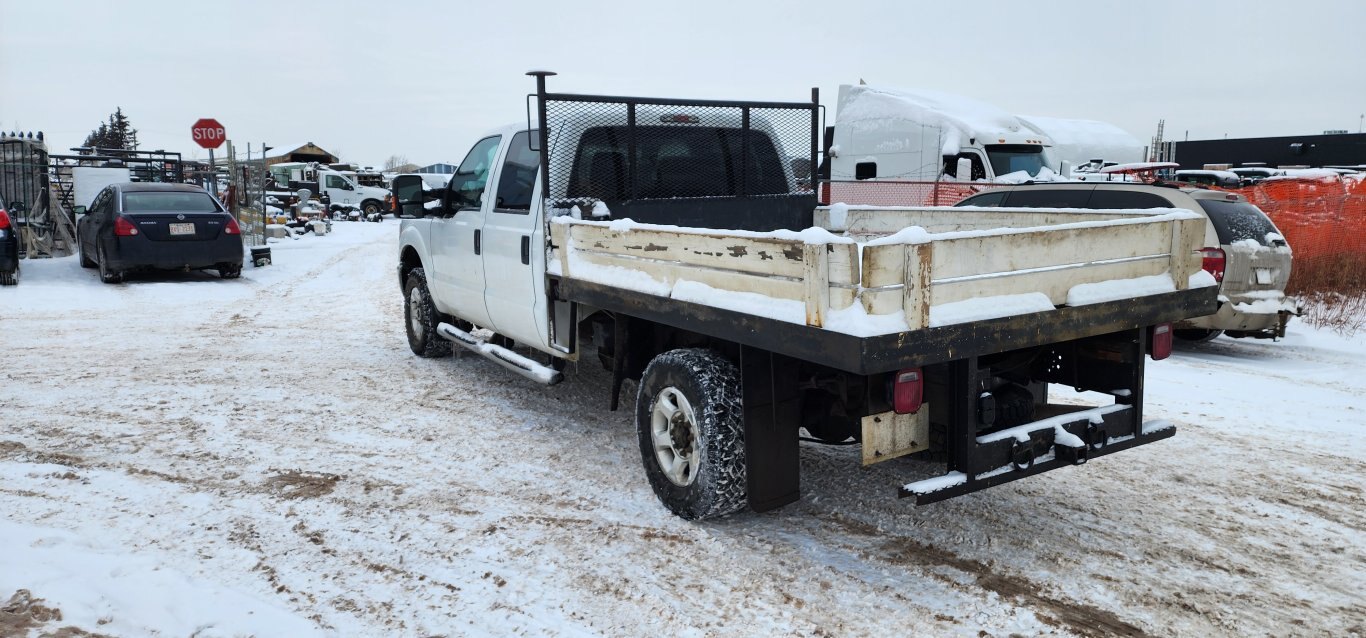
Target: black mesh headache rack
{"x": 698, "y": 163}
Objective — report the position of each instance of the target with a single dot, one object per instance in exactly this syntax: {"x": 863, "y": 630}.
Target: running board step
{"x": 500, "y": 355}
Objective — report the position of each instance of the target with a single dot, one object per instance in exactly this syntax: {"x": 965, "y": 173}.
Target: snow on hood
{"x": 958, "y": 116}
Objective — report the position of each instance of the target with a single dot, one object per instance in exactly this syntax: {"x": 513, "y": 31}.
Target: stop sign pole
{"x": 208, "y": 133}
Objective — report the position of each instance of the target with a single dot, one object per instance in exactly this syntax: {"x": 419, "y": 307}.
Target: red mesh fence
{"x": 1320, "y": 217}
{"x": 1324, "y": 221}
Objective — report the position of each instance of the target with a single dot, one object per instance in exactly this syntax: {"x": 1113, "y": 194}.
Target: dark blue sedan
{"x": 137, "y": 226}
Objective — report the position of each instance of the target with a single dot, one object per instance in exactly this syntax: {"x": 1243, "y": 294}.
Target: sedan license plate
{"x": 182, "y": 229}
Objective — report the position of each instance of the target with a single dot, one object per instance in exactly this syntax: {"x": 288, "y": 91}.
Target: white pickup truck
{"x": 669, "y": 239}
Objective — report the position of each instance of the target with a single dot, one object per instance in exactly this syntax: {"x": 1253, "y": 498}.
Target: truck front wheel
{"x": 421, "y": 318}
{"x": 690, "y": 426}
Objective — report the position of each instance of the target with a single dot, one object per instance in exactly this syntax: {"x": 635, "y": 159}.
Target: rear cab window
{"x": 1236, "y": 221}
{"x": 675, "y": 161}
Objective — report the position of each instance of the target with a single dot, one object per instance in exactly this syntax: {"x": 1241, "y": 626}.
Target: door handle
{"x": 526, "y": 249}
{"x": 476, "y": 241}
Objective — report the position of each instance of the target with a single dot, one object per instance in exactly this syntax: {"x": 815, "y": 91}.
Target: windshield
{"x": 1009, "y": 158}
{"x": 1236, "y": 221}
{"x": 169, "y": 202}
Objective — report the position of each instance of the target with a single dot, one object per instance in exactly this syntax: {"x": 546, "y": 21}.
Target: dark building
{"x": 1345, "y": 149}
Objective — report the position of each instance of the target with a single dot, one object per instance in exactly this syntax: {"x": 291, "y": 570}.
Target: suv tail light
{"x": 1160, "y": 341}
{"x": 1212, "y": 262}
{"x": 908, "y": 390}
{"x": 123, "y": 227}
{"x": 232, "y": 227}
{"x": 4, "y": 219}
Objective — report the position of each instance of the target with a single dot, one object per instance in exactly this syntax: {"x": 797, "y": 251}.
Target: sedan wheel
{"x": 107, "y": 275}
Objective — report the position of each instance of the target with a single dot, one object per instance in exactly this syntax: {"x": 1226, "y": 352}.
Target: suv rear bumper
{"x": 1270, "y": 318}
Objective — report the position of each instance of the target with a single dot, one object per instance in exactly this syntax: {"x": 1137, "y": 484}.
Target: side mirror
{"x": 79, "y": 210}
{"x": 409, "y": 195}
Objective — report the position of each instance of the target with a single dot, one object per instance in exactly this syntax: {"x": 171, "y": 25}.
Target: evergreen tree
{"x": 117, "y": 134}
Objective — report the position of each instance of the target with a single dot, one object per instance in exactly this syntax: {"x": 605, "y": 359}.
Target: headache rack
{"x": 699, "y": 163}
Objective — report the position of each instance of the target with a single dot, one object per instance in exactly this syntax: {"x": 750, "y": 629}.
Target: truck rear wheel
{"x": 421, "y": 318}
{"x": 690, "y": 426}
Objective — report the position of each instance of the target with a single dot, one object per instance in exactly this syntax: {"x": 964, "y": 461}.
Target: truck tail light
{"x": 908, "y": 390}
{"x": 4, "y": 219}
{"x": 1212, "y": 262}
{"x": 232, "y": 228}
{"x": 824, "y": 199}
{"x": 389, "y": 203}
{"x": 1161, "y": 341}
{"x": 123, "y": 227}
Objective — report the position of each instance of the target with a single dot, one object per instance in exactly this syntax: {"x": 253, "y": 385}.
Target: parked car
{"x": 9, "y": 247}
{"x": 1222, "y": 179}
{"x": 147, "y": 226}
{"x": 1255, "y": 174}
{"x": 1243, "y": 249}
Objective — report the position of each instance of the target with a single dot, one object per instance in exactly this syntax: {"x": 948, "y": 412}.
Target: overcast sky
{"x": 368, "y": 80}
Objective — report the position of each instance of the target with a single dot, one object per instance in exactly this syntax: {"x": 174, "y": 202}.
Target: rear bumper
{"x": 1041, "y": 446}
{"x": 1269, "y": 319}
{"x": 135, "y": 253}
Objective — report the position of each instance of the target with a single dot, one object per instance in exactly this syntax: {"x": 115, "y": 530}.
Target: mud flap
{"x": 772, "y": 410}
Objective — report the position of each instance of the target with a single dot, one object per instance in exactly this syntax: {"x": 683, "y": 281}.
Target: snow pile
{"x": 982, "y": 308}
{"x": 1117, "y": 289}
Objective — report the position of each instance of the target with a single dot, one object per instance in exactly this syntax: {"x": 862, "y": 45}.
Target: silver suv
{"x": 1243, "y": 249}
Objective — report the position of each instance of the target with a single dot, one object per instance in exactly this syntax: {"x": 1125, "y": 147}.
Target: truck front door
{"x": 514, "y": 247}
{"x": 456, "y": 237}
{"x": 339, "y": 190}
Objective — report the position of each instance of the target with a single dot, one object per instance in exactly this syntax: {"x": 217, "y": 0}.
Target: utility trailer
{"x": 669, "y": 239}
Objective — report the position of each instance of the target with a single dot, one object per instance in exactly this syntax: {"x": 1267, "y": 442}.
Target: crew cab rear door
{"x": 514, "y": 246}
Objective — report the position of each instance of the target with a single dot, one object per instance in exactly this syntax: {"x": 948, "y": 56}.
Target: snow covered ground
{"x": 182, "y": 455}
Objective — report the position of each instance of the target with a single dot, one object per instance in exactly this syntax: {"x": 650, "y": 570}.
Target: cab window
{"x": 466, "y": 188}
{"x": 518, "y": 177}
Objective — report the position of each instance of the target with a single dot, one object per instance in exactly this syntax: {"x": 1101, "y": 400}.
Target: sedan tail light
{"x": 1212, "y": 262}
{"x": 232, "y": 227}
{"x": 123, "y": 227}
{"x": 908, "y": 390}
{"x": 4, "y": 219}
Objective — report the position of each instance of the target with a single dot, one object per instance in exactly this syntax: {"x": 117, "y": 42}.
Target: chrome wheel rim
{"x": 415, "y": 313}
{"x": 673, "y": 431}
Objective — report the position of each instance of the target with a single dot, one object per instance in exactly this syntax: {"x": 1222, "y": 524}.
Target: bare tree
{"x": 395, "y": 161}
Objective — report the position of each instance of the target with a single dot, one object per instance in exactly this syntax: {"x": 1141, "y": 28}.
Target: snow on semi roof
{"x": 1080, "y": 141}
{"x": 958, "y": 116}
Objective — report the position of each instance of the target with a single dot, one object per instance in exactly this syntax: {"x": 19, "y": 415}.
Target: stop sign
{"x": 208, "y": 133}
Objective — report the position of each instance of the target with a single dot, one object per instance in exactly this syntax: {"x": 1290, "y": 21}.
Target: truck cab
{"x": 484, "y": 234}
{"x": 339, "y": 187}
{"x": 895, "y": 134}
